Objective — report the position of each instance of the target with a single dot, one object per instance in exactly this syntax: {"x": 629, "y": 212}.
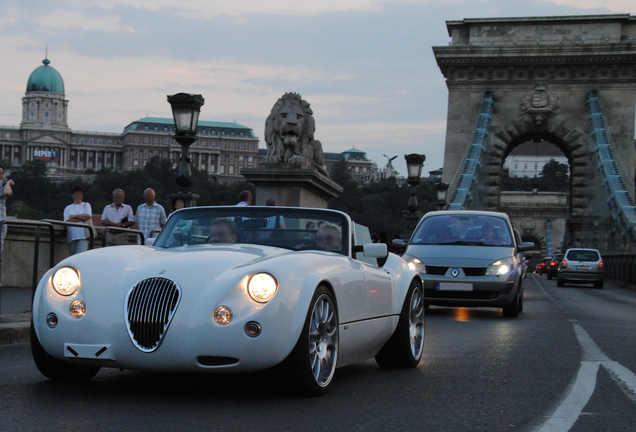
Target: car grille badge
{"x": 455, "y": 272}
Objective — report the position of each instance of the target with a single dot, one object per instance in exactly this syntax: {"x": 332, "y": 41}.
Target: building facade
{"x": 529, "y": 158}
{"x": 222, "y": 149}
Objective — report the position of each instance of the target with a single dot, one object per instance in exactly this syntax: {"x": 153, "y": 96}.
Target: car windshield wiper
{"x": 462, "y": 242}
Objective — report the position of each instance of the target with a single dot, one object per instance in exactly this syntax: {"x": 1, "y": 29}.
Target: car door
{"x": 377, "y": 281}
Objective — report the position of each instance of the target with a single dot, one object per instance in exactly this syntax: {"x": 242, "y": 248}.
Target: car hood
{"x": 459, "y": 255}
{"x": 188, "y": 265}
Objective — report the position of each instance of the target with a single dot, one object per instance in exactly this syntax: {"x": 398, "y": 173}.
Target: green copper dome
{"x": 45, "y": 79}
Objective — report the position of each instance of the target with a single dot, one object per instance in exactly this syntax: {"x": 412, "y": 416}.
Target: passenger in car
{"x": 222, "y": 230}
{"x": 329, "y": 237}
{"x": 489, "y": 234}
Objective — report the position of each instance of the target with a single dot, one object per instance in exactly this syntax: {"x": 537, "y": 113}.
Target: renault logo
{"x": 455, "y": 272}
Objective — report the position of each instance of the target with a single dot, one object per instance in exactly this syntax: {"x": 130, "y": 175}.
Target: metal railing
{"x": 464, "y": 191}
{"x": 36, "y": 248}
{"x": 91, "y": 233}
{"x": 121, "y": 229}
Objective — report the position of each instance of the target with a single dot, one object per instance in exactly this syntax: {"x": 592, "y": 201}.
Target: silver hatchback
{"x": 469, "y": 258}
{"x": 582, "y": 266}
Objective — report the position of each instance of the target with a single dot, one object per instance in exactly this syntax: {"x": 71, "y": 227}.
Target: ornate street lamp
{"x": 414, "y": 165}
{"x": 185, "y": 110}
{"x": 442, "y": 190}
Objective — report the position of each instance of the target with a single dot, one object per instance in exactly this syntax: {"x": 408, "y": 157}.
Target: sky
{"x": 365, "y": 66}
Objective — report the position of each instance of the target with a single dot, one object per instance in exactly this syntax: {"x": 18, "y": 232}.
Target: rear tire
{"x": 560, "y": 282}
{"x": 313, "y": 360}
{"x": 405, "y": 347}
{"x": 55, "y": 369}
{"x": 598, "y": 285}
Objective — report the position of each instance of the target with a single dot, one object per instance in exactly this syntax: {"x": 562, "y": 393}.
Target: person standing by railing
{"x": 119, "y": 215}
{"x": 79, "y": 211}
{"x": 5, "y": 191}
{"x": 150, "y": 215}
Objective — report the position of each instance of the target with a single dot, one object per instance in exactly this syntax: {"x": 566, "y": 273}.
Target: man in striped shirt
{"x": 150, "y": 215}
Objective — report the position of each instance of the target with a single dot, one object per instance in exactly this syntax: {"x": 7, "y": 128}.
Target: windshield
{"x": 583, "y": 255}
{"x": 290, "y": 228}
{"x": 464, "y": 229}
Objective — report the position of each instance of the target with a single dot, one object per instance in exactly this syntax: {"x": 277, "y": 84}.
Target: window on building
{"x": 165, "y": 154}
{"x": 222, "y": 158}
{"x": 146, "y": 140}
{"x": 109, "y": 142}
{"x": 231, "y": 169}
{"x": 250, "y": 159}
{"x": 251, "y": 146}
{"x": 212, "y": 168}
{"x": 536, "y": 166}
{"x": 146, "y": 153}
{"x": 516, "y": 165}
{"x": 231, "y": 158}
{"x": 155, "y": 153}
{"x": 59, "y": 117}
{"x": 222, "y": 169}
{"x": 357, "y": 170}
{"x": 231, "y": 145}
{"x": 222, "y": 144}
{"x": 135, "y": 164}
{"x": 156, "y": 141}
{"x": 525, "y": 166}
{"x": 72, "y": 164}
{"x": 136, "y": 139}
{"x": 165, "y": 140}
{"x": 241, "y": 146}
{"x": 81, "y": 140}
{"x": 118, "y": 142}
{"x": 136, "y": 152}
{"x": 81, "y": 164}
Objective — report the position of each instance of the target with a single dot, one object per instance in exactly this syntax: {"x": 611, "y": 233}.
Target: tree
{"x": 340, "y": 173}
{"x": 555, "y": 176}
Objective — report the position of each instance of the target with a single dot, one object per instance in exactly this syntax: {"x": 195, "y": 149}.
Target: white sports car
{"x": 233, "y": 289}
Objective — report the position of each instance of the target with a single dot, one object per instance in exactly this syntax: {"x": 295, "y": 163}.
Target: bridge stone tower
{"x": 567, "y": 80}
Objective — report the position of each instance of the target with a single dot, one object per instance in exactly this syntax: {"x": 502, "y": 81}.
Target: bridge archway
{"x": 566, "y": 80}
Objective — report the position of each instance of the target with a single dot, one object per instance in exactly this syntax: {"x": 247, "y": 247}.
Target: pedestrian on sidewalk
{"x": 118, "y": 215}
{"x": 79, "y": 211}
{"x": 5, "y": 191}
{"x": 150, "y": 216}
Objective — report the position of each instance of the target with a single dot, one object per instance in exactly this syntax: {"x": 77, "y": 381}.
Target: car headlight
{"x": 415, "y": 263}
{"x": 262, "y": 287}
{"x": 66, "y": 281}
{"x": 500, "y": 267}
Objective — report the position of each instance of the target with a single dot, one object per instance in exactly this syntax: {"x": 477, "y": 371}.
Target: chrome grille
{"x": 150, "y": 306}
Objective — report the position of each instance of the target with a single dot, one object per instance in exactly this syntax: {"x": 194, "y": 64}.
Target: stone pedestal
{"x": 291, "y": 186}
{"x": 189, "y": 198}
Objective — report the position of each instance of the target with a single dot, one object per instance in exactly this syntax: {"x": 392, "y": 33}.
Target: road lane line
{"x": 591, "y": 351}
{"x": 570, "y": 409}
{"x": 625, "y": 378}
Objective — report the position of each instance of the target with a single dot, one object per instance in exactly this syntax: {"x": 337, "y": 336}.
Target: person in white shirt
{"x": 79, "y": 211}
{"x": 245, "y": 198}
{"x": 119, "y": 215}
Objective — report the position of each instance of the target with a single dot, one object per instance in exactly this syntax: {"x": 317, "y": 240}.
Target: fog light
{"x": 78, "y": 308}
{"x": 253, "y": 329}
{"x": 51, "y": 320}
{"x": 223, "y": 315}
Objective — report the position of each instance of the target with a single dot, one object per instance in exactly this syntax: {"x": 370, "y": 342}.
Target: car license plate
{"x": 453, "y": 286}
{"x": 583, "y": 267}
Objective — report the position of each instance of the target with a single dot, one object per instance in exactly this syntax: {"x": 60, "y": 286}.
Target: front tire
{"x": 314, "y": 358}
{"x": 405, "y": 347}
{"x": 55, "y": 369}
{"x": 513, "y": 309}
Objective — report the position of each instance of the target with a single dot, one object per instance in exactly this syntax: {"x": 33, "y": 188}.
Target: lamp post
{"x": 442, "y": 190}
{"x": 185, "y": 110}
{"x": 414, "y": 165}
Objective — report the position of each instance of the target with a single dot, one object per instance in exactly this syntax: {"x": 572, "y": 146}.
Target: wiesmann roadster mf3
{"x": 233, "y": 289}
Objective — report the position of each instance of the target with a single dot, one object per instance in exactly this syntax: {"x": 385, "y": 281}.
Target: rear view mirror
{"x": 375, "y": 250}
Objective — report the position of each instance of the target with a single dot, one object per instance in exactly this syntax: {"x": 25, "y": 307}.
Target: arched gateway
{"x": 567, "y": 80}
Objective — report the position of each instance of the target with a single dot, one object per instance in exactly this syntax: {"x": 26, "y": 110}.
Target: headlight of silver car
{"x": 262, "y": 287}
{"x": 66, "y": 281}
{"x": 414, "y": 263}
{"x": 500, "y": 267}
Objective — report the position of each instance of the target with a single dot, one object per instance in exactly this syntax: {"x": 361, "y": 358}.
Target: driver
{"x": 329, "y": 237}
{"x": 222, "y": 230}
{"x": 489, "y": 234}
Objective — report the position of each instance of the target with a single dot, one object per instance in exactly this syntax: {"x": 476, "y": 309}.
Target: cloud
{"x": 622, "y": 6}
{"x": 69, "y": 19}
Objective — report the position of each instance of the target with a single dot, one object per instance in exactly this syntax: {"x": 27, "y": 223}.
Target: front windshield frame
{"x": 462, "y": 229}
{"x": 165, "y": 239}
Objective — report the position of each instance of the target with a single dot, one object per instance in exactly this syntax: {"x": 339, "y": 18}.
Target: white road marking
{"x": 581, "y": 391}
{"x": 570, "y": 409}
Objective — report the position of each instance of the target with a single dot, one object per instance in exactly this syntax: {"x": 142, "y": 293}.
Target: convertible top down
{"x": 233, "y": 289}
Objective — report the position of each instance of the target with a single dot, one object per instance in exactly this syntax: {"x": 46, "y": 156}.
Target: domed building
{"x": 222, "y": 150}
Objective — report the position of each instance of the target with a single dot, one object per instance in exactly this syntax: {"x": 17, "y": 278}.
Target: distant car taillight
{"x": 600, "y": 265}
{"x": 564, "y": 264}
{"x": 552, "y": 264}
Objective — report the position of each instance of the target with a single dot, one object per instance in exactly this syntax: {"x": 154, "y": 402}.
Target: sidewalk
{"x": 15, "y": 314}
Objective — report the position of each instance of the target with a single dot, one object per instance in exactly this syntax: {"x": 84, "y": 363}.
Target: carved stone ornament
{"x": 540, "y": 104}
{"x": 289, "y": 134}
{"x": 528, "y": 224}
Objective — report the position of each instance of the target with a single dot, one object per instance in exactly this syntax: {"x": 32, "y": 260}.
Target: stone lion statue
{"x": 289, "y": 134}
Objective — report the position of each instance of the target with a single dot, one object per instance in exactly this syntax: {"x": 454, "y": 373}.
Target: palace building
{"x": 222, "y": 150}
